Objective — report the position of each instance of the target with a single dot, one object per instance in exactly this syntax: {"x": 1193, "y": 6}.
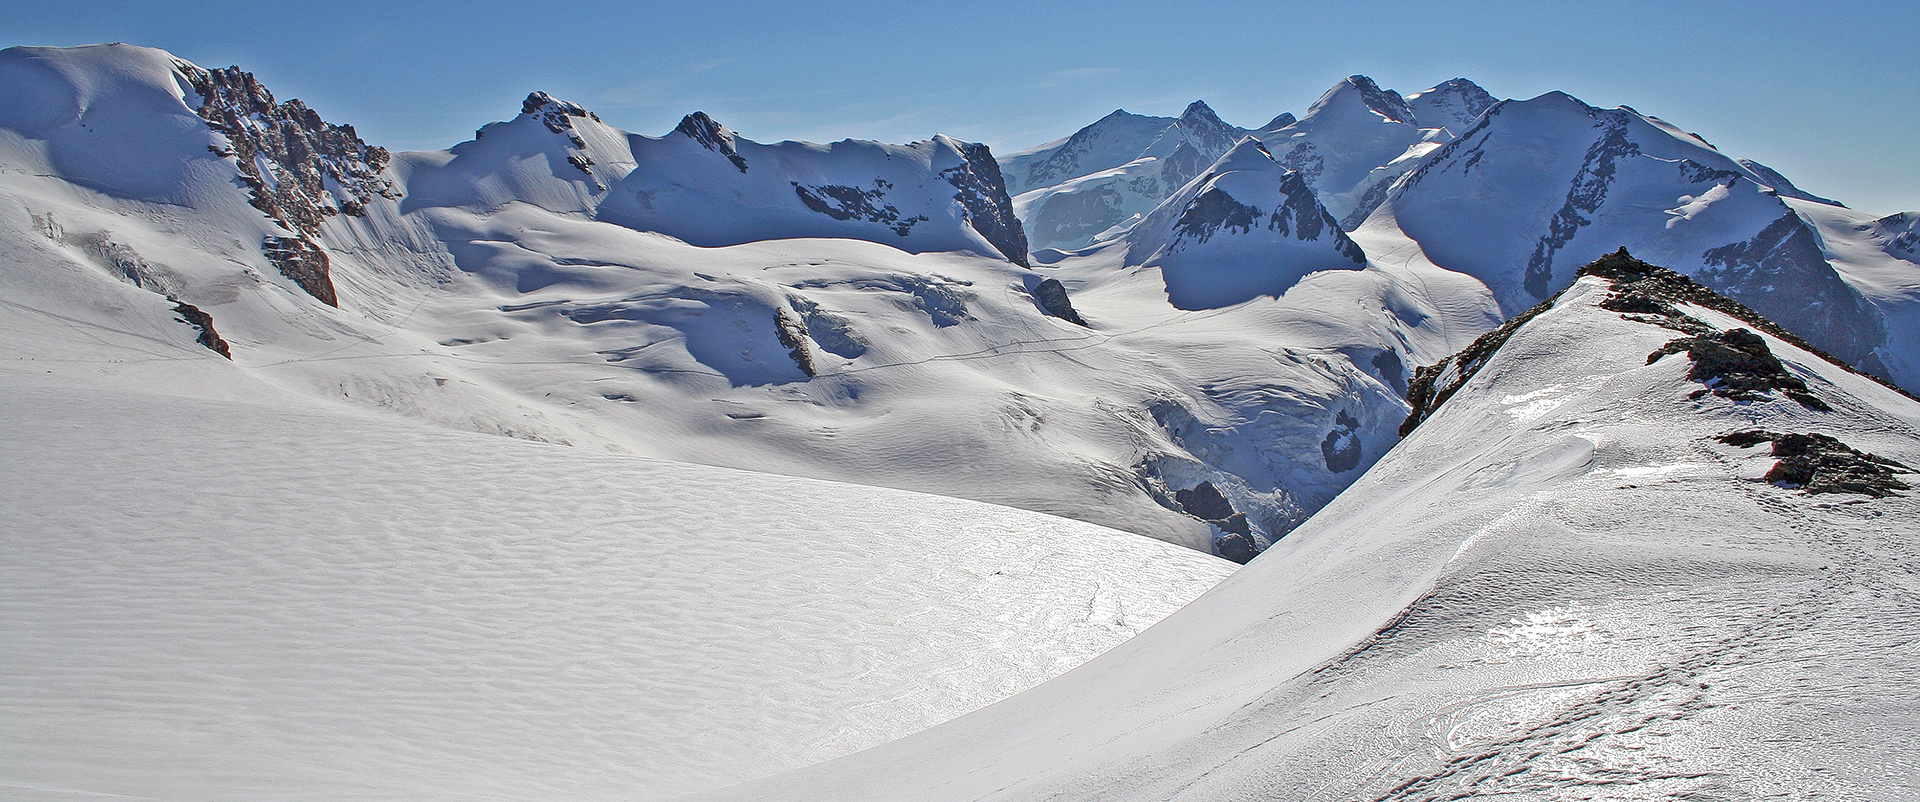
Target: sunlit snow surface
{"x": 1595, "y": 600}
{"x": 204, "y": 600}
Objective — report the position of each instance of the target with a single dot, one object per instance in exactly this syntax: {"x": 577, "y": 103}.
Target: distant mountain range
{"x": 1250, "y": 303}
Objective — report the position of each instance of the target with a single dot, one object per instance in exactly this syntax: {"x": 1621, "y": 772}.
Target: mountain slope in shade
{"x": 1245, "y": 228}
{"x": 1586, "y": 574}
{"x": 1551, "y": 183}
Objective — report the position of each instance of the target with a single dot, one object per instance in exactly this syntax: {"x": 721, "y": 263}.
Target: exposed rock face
{"x": 1735, "y": 363}
{"x": 1584, "y": 197}
{"x": 1782, "y": 273}
{"x": 1453, "y": 104}
{"x": 298, "y": 168}
{"x": 1341, "y": 449}
{"x": 1052, "y": 296}
{"x": 305, "y": 262}
{"x": 1384, "y": 102}
{"x": 712, "y": 135}
{"x": 853, "y": 203}
{"x": 1206, "y": 502}
{"x": 1817, "y": 463}
{"x": 1647, "y": 293}
{"x": 982, "y": 195}
{"x": 193, "y": 316}
{"x": 1200, "y": 126}
{"x": 557, "y": 115}
{"x": 1433, "y": 384}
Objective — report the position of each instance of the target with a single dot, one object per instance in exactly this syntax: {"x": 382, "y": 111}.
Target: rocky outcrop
{"x": 1734, "y": 364}
{"x": 711, "y": 135}
{"x": 982, "y": 195}
{"x": 203, "y": 322}
{"x": 1342, "y": 449}
{"x": 1817, "y": 463}
{"x": 853, "y": 203}
{"x": 1649, "y": 294}
{"x": 304, "y": 261}
{"x": 792, "y": 334}
{"x": 1207, "y": 503}
{"x": 557, "y": 115}
{"x": 1052, "y": 297}
{"x": 299, "y": 169}
{"x": 1737, "y": 365}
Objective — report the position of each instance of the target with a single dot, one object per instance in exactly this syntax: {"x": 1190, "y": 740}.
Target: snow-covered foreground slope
{"x": 1571, "y": 581}
{"x": 211, "y": 599}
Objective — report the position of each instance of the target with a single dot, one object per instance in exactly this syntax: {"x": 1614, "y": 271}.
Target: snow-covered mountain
{"x": 1552, "y": 183}
{"x": 1518, "y": 193}
{"x": 1107, "y": 176}
{"x": 1637, "y": 547}
{"x": 1350, "y": 146}
{"x": 700, "y": 183}
{"x": 1245, "y": 228}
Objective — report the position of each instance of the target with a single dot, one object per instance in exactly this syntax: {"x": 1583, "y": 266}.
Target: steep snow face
{"x": 1078, "y": 209}
{"x": 256, "y": 595}
{"x": 1585, "y": 575}
{"x": 1552, "y": 183}
{"x": 1246, "y": 228}
{"x": 1345, "y": 142}
{"x": 1453, "y": 105}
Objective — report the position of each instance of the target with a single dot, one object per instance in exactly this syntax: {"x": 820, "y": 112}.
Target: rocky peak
{"x": 1285, "y": 119}
{"x": 1733, "y": 363}
{"x": 1384, "y": 102}
{"x": 298, "y": 168}
{"x": 712, "y": 135}
{"x": 981, "y": 192}
{"x": 553, "y": 112}
{"x": 1453, "y": 104}
{"x": 1204, "y": 129}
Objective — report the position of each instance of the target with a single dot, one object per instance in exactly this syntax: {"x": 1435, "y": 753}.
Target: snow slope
{"x": 229, "y": 592}
{"x": 1561, "y": 585}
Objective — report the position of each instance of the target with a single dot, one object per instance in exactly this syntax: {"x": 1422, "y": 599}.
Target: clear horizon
{"x": 1824, "y": 95}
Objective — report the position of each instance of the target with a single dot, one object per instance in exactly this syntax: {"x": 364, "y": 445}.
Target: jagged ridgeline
{"x": 298, "y": 168}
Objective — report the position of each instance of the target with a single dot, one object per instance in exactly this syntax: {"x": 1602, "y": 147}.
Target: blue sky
{"x": 1825, "y": 93}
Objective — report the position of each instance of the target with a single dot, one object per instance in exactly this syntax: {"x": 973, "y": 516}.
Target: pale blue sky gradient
{"x": 1823, "y": 92}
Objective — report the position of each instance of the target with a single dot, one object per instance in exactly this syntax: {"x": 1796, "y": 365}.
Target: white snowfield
{"x": 1593, "y": 599}
{"x": 223, "y": 600}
